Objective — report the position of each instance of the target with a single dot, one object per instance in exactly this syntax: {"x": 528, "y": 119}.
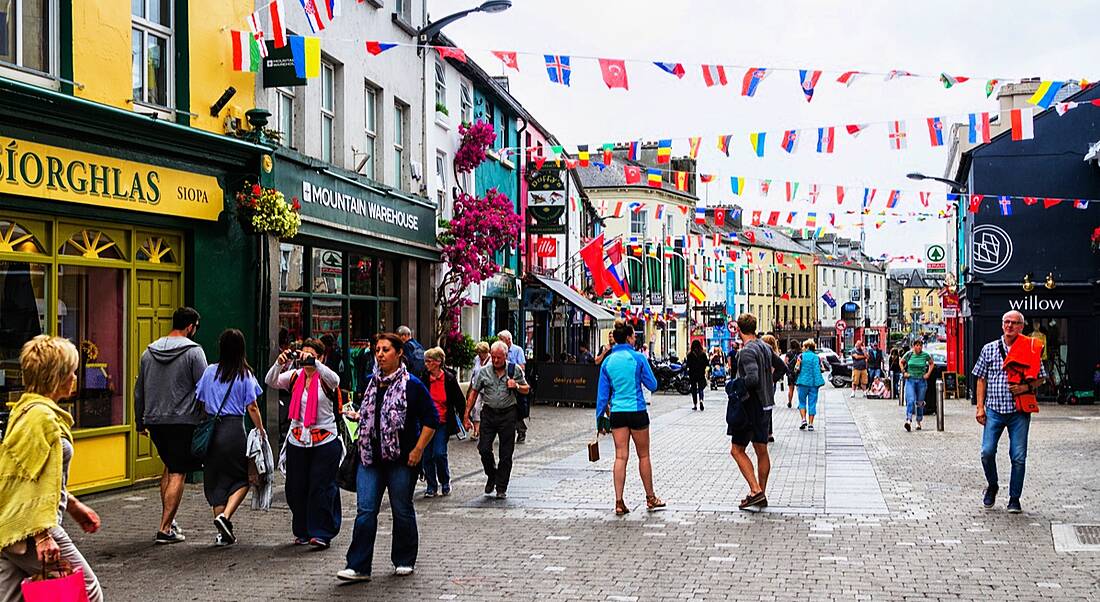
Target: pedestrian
{"x": 333, "y": 356}
{"x": 523, "y": 402}
{"x": 809, "y": 381}
{"x": 482, "y": 360}
{"x": 794, "y": 351}
{"x": 779, "y": 372}
{"x": 35, "y": 456}
{"x": 497, "y": 385}
{"x": 313, "y": 447}
{"x": 878, "y": 389}
{"x": 606, "y": 349}
{"x": 751, "y": 424}
{"x": 397, "y": 420}
{"x": 228, "y": 390}
{"x": 918, "y": 367}
{"x": 584, "y": 356}
{"x": 859, "y": 368}
{"x": 412, "y": 351}
{"x": 874, "y": 363}
{"x": 165, "y": 408}
{"x": 997, "y": 409}
{"x": 623, "y": 376}
{"x": 450, "y": 404}
{"x": 697, "y": 363}
{"x": 895, "y": 374}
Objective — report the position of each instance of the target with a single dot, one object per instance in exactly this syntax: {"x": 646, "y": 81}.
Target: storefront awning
{"x": 602, "y": 316}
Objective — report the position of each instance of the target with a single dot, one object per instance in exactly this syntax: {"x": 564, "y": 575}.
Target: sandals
{"x": 653, "y": 502}
{"x": 620, "y": 508}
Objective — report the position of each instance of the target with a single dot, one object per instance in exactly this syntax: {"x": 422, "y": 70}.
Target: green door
{"x": 156, "y": 297}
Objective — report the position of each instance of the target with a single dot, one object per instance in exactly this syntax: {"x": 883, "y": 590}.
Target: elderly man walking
{"x": 997, "y": 408}
{"x": 517, "y": 357}
{"x": 498, "y": 385}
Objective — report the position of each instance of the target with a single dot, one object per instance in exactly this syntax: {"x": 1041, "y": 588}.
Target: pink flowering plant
{"x": 477, "y": 137}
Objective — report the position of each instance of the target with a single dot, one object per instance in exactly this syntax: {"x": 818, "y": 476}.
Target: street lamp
{"x": 426, "y": 33}
{"x": 955, "y": 186}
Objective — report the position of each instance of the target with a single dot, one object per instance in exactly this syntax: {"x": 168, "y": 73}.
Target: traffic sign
{"x": 841, "y": 325}
{"x": 934, "y": 257}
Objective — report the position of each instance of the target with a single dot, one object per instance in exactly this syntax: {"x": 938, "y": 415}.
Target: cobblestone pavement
{"x": 859, "y": 510}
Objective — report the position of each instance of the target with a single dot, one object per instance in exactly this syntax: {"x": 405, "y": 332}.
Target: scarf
{"x": 311, "y": 400}
{"x": 30, "y": 467}
{"x": 392, "y": 408}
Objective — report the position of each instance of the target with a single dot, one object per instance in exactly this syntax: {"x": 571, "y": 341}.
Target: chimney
{"x": 502, "y": 81}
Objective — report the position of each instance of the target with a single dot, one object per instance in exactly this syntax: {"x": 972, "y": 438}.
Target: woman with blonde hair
{"x": 34, "y": 473}
{"x": 450, "y": 404}
{"x": 809, "y": 382}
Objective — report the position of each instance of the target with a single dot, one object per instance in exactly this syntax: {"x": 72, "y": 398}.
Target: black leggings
{"x": 697, "y": 388}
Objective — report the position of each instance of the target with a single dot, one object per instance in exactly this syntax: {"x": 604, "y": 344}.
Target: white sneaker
{"x": 403, "y": 571}
{"x": 352, "y": 575}
{"x": 852, "y": 395}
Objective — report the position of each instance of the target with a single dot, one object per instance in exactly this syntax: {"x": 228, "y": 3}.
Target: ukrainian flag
{"x": 1044, "y": 96}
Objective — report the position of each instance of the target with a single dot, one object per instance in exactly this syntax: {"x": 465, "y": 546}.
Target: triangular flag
{"x": 507, "y": 57}
{"x": 449, "y": 52}
{"x": 377, "y": 48}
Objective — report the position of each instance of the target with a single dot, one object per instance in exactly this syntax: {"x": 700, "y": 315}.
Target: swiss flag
{"x": 614, "y": 73}
{"x": 633, "y": 174}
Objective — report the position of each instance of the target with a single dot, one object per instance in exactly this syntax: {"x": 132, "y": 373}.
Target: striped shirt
{"x": 989, "y": 367}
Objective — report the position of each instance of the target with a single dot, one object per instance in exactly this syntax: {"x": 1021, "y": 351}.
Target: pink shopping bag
{"x": 55, "y": 587}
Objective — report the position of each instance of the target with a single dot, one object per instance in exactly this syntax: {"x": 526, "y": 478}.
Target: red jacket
{"x": 1022, "y": 365}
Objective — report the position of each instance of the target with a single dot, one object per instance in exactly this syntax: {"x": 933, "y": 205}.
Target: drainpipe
{"x": 526, "y": 243}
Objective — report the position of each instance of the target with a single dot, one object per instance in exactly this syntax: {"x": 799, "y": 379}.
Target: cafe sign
{"x": 59, "y": 174}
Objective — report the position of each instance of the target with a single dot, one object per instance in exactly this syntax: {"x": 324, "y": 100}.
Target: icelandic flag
{"x": 809, "y": 82}
{"x": 979, "y": 128}
{"x": 892, "y": 200}
{"x": 825, "y": 138}
{"x": 935, "y": 131}
{"x": 313, "y": 15}
{"x": 752, "y": 79}
{"x": 790, "y": 140}
{"x": 672, "y": 68}
{"x": 557, "y": 67}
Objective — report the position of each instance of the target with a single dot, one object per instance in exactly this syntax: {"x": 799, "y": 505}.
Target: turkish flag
{"x": 508, "y": 58}
{"x": 614, "y": 73}
{"x": 976, "y": 202}
{"x": 633, "y": 174}
{"x": 749, "y": 236}
{"x": 719, "y": 216}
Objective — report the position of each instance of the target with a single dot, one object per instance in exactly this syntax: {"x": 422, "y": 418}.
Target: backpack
{"x": 414, "y": 357}
{"x": 523, "y": 401}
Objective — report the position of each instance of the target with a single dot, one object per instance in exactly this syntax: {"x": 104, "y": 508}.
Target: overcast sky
{"x": 1009, "y": 39}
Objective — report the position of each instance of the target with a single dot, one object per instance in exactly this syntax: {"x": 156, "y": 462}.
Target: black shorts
{"x": 635, "y": 421}
{"x": 173, "y": 443}
{"x": 754, "y": 426}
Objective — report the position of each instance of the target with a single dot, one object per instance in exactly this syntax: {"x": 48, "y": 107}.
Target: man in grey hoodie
{"x": 754, "y": 368}
{"x": 165, "y": 408}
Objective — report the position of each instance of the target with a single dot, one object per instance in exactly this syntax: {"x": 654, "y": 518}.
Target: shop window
{"x": 292, "y": 312}
{"x": 327, "y": 317}
{"x": 387, "y": 277}
{"x": 92, "y": 244}
{"x": 23, "y": 295}
{"x": 361, "y": 270}
{"x": 91, "y": 312}
{"x": 291, "y": 268}
{"x": 151, "y": 51}
{"x": 157, "y": 249}
{"x": 15, "y": 238}
{"x": 328, "y": 272}
{"x": 26, "y": 32}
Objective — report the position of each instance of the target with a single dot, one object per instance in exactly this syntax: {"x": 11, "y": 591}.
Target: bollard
{"x": 939, "y": 405}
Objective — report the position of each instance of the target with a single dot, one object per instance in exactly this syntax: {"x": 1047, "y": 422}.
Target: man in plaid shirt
{"x": 996, "y": 411}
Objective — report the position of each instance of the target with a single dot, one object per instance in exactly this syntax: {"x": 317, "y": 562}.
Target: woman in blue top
{"x": 623, "y": 373}
{"x": 809, "y": 381}
{"x": 228, "y": 389}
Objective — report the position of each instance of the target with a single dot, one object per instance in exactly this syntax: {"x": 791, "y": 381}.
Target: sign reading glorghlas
{"x": 311, "y": 193}
{"x": 41, "y": 171}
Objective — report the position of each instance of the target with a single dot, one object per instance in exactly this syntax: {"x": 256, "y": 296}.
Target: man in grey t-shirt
{"x": 497, "y": 385}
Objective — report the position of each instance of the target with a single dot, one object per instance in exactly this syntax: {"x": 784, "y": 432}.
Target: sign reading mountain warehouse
{"x": 59, "y": 174}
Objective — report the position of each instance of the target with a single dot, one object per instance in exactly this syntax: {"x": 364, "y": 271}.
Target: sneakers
{"x": 446, "y": 490}
{"x": 803, "y": 427}
{"x": 788, "y": 404}
{"x": 403, "y": 571}
{"x": 429, "y": 493}
{"x": 701, "y": 408}
{"x": 501, "y": 494}
{"x": 1014, "y": 505}
{"x": 171, "y": 536}
{"x": 990, "y": 497}
{"x": 352, "y": 575}
{"x": 907, "y": 427}
{"x": 918, "y": 426}
{"x": 490, "y": 485}
{"x": 809, "y": 427}
{"x": 301, "y": 541}
{"x": 319, "y": 544}
{"x": 225, "y": 530}
{"x": 852, "y": 395}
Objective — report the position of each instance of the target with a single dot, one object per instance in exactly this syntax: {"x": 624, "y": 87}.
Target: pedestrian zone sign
{"x": 935, "y": 259}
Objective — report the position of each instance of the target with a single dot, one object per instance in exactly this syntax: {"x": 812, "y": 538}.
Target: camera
{"x": 293, "y": 354}
{"x": 308, "y": 360}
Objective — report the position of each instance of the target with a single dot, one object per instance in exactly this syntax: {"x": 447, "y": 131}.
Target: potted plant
{"x": 442, "y": 108}
{"x": 262, "y": 209}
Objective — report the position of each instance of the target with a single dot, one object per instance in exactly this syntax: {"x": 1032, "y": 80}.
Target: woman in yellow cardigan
{"x": 34, "y": 469}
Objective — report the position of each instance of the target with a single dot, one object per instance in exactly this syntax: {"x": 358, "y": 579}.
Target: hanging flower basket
{"x": 476, "y": 139}
{"x": 261, "y": 210}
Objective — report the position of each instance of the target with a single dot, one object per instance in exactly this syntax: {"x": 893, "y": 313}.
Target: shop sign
{"x": 278, "y": 68}
{"x": 1036, "y": 304}
{"x": 934, "y": 262}
{"x": 731, "y": 293}
{"x": 59, "y": 174}
{"x": 546, "y": 247}
{"x": 991, "y": 250}
{"x": 537, "y": 299}
{"x": 546, "y": 199}
{"x": 501, "y": 286}
{"x": 656, "y": 298}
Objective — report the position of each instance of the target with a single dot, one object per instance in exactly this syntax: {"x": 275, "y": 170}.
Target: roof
{"x": 613, "y": 176}
{"x": 603, "y": 316}
{"x": 919, "y": 280}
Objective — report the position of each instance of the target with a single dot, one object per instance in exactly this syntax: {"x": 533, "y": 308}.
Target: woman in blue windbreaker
{"x": 623, "y": 373}
{"x": 809, "y": 381}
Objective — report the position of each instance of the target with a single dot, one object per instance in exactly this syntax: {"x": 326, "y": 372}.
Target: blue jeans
{"x": 400, "y": 480}
{"x": 915, "y": 388}
{"x": 436, "y": 470}
{"x": 807, "y": 399}
{"x": 1017, "y": 424}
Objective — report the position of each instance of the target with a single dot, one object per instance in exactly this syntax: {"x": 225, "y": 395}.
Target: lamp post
{"x": 426, "y": 33}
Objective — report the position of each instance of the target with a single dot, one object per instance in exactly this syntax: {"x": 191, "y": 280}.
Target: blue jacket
{"x": 622, "y": 374}
{"x": 809, "y": 374}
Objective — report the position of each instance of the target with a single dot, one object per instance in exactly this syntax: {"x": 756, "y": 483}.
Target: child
{"x": 878, "y": 389}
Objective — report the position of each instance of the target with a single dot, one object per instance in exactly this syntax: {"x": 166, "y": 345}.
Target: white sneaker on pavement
{"x": 403, "y": 571}
{"x": 352, "y": 575}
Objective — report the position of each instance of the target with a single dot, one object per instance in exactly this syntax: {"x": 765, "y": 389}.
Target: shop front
{"x": 360, "y": 265}
{"x": 102, "y": 237}
{"x": 500, "y": 306}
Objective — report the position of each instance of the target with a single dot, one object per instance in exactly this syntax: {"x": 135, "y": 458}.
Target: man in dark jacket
{"x": 754, "y": 368}
{"x": 413, "y": 355}
{"x": 165, "y": 408}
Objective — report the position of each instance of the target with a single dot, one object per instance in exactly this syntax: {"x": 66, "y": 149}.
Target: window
{"x": 916, "y": 299}
{"x": 440, "y": 86}
{"x": 284, "y": 115}
{"x": 403, "y": 8}
{"x": 638, "y": 222}
{"x": 25, "y": 39}
{"x": 151, "y": 51}
{"x": 370, "y": 132}
{"x": 399, "y": 116}
{"x": 328, "y": 110}
{"x": 467, "y": 105}
{"x": 441, "y": 181}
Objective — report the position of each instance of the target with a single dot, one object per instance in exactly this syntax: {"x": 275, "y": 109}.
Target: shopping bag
{"x": 64, "y": 585}
{"x": 594, "y": 450}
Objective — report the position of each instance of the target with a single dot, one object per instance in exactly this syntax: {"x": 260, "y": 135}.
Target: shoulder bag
{"x": 347, "y": 474}
{"x": 204, "y": 432}
{"x": 523, "y": 402}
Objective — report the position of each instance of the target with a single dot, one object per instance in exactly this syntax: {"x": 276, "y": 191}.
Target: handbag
{"x": 204, "y": 432}
{"x": 347, "y": 475}
{"x": 66, "y": 586}
{"x": 594, "y": 449}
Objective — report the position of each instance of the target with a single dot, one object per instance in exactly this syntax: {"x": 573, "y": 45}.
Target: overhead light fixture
{"x": 1028, "y": 284}
{"x": 1050, "y": 281}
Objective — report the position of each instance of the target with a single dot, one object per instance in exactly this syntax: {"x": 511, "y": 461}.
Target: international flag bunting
{"x": 246, "y": 51}
{"x": 633, "y": 150}
{"x": 811, "y": 220}
{"x": 583, "y": 155}
{"x": 773, "y": 218}
{"x": 681, "y": 180}
{"x": 724, "y": 144}
{"x": 792, "y": 191}
{"x": 924, "y": 196}
{"x": 897, "y": 74}
{"x": 508, "y": 57}
{"x": 608, "y": 149}
{"x": 892, "y": 200}
{"x": 991, "y": 86}
{"x": 1081, "y": 204}
{"x": 313, "y": 15}
{"x": 790, "y": 217}
{"x": 1048, "y": 203}
{"x": 935, "y": 131}
{"x": 636, "y": 207}
{"x": 897, "y": 135}
{"x": 1031, "y": 200}
{"x": 765, "y": 187}
{"x": 693, "y": 147}
{"x": 1023, "y": 126}
{"x": 664, "y": 151}
{"x": 632, "y": 173}
{"x": 757, "y": 141}
{"x": 1006, "y": 204}
{"x": 333, "y": 8}
{"x": 672, "y": 68}
{"x": 979, "y": 128}
{"x": 696, "y": 292}
{"x": 814, "y": 192}
{"x": 653, "y": 177}
{"x": 839, "y": 195}
{"x": 756, "y": 218}
{"x": 790, "y": 141}
{"x": 707, "y": 178}
{"x": 1063, "y": 107}
{"x": 809, "y": 82}
{"x": 868, "y": 196}
{"x": 614, "y": 73}
{"x": 720, "y": 216}
{"x": 825, "y": 137}
{"x": 855, "y": 128}
{"x": 847, "y": 77}
{"x": 377, "y": 48}
{"x": 700, "y": 215}
{"x": 752, "y": 79}
{"x": 750, "y": 236}
{"x": 449, "y": 52}
{"x": 737, "y": 184}
{"x": 975, "y": 202}
{"x": 557, "y": 67}
{"x": 660, "y": 211}
{"x": 306, "y": 53}
{"x": 714, "y": 75}
{"x": 950, "y": 80}
{"x": 618, "y": 209}
{"x": 1044, "y": 95}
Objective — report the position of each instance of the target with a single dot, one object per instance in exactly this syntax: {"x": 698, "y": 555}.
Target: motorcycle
{"x": 671, "y": 375}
